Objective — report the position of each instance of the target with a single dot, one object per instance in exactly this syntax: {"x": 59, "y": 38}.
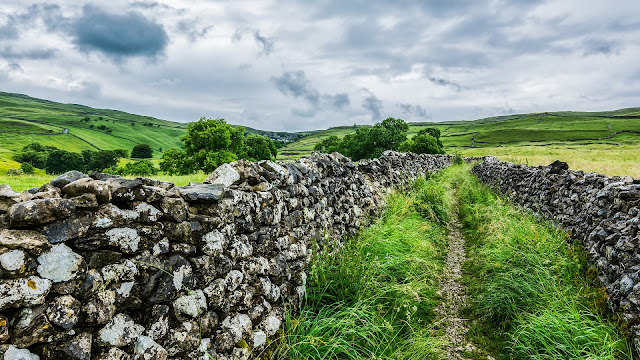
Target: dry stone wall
{"x": 101, "y": 267}
{"x": 603, "y": 212}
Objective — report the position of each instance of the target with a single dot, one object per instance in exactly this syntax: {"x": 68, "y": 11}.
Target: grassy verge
{"x": 528, "y": 286}
{"x": 375, "y": 298}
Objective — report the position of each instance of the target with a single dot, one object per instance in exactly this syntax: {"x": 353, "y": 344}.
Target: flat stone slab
{"x": 202, "y": 192}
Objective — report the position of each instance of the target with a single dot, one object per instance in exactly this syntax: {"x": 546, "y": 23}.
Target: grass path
{"x": 454, "y": 294}
{"x": 453, "y": 272}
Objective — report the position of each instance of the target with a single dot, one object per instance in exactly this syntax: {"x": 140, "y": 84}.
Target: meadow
{"x": 603, "y": 142}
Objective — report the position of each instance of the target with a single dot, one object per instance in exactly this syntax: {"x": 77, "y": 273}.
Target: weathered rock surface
{"x": 67, "y": 178}
{"x": 40, "y": 211}
{"x": 108, "y": 268}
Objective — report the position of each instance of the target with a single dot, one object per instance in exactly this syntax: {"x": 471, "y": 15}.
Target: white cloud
{"x": 445, "y": 59}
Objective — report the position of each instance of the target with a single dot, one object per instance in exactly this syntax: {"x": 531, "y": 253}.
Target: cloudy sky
{"x": 294, "y": 65}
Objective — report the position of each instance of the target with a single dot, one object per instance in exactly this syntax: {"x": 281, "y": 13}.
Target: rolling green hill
{"x": 72, "y": 127}
{"x": 605, "y": 142}
{"x": 619, "y": 127}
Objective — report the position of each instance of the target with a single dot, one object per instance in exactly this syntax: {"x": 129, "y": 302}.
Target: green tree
{"x": 368, "y": 142}
{"x": 258, "y": 147}
{"x": 176, "y": 162}
{"x": 208, "y": 144}
{"x": 329, "y": 145}
{"x": 61, "y": 161}
{"x": 142, "y": 151}
{"x": 100, "y": 160}
{"x": 424, "y": 142}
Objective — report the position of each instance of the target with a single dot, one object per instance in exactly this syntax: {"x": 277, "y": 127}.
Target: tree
{"x": 328, "y": 145}
{"x": 142, "y": 151}
{"x": 424, "y": 142}
{"x": 208, "y": 144}
{"x": 176, "y": 162}
{"x": 61, "y": 161}
{"x": 35, "y": 154}
{"x": 100, "y": 160}
{"x": 368, "y": 142}
{"x": 258, "y": 147}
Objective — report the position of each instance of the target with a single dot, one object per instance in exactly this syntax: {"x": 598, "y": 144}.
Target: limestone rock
{"x": 40, "y": 211}
{"x": 174, "y": 209}
{"x": 29, "y": 240}
{"x": 225, "y": 174}
{"x": 121, "y": 331}
{"x": 147, "y": 349}
{"x": 193, "y": 304}
{"x": 32, "y": 327}
{"x": 8, "y": 197}
{"x": 13, "y": 260}
{"x": 126, "y": 239}
{"x": 79, "y": 347}
{"x": 68, "y": 229}
{"x": 214, "y": 243}
{"x": 67, "y": 178}
{"x": 23, "y": 292}
{"x": 202, "y": 192}
{"x": 14, "y": 353}
{"x": 63, "y": 311}
{"x": 101, "y": 189}
{"x": 4, "y": 329}
{"x": 59, "y": 264}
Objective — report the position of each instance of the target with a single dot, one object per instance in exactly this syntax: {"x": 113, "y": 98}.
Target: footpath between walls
{"x": 99, "y": 267}
{"x": 602, "y": 212}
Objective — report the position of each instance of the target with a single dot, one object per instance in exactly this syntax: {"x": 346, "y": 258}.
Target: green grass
{"x": 24, "y": 120}
{"x": 537, "y": 139}
{"x": 529, "y": 287}
{"x": 375, "y": 298}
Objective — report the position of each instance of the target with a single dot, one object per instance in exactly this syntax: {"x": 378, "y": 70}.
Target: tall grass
{"x": 528, "y": 285}
{"x": 375, "y": 298}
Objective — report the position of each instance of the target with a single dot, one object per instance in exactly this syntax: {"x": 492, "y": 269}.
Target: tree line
{"x": 390, "y": 134}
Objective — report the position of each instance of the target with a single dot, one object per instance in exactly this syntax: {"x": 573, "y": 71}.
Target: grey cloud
{"x": 34, "y": 54}
{"x": 50, "y": 14}
{"x": 373, "y": 105}
{"x": 296, "y": 85}
{"x": 340, "y": 101}
{"x": 443, "y": 82}
{"x": 192, "y": 31}
{"x": 153, "y": 5}
{"x": 595, "y": 46}
{"x": 264, "y": 42}
{"x": 118, "y": 36}
{"x": 414, "y": 110}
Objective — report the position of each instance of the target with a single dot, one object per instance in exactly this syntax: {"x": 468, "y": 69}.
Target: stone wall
{"x": 107, "y": 268}
{"x": 603, "y": 212}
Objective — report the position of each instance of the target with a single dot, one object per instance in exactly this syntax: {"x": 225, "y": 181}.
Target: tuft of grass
{"x": 375, "y": 298}
{"x": 529, "y": 286}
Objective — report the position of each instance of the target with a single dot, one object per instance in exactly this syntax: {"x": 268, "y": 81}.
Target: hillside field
{"x": 604, "y": 142}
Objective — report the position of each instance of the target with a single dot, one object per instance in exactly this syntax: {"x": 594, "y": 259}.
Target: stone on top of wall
{"x": 100, "y": 267}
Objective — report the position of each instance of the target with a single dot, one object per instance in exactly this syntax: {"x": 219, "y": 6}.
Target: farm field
{"x": 604, "y": 142}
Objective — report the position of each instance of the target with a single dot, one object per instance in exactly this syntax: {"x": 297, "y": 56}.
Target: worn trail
{"x": 454, "y": 295}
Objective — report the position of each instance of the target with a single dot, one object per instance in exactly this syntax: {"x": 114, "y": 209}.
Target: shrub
{"x": 61, "y": 161}
{"x": 27, "y": 168}
{"x": 14, "y": 172}
{"x": 138, "y": 168}
{"x": 142, "y": 151}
